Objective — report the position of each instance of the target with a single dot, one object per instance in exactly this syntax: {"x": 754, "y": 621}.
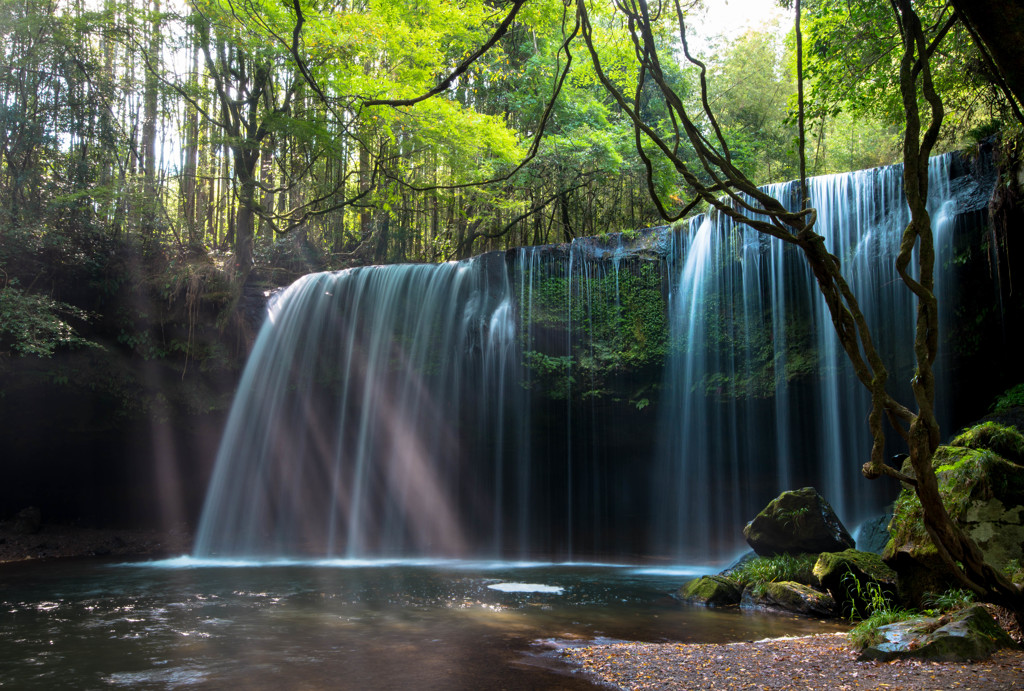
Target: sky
{"x": 730, "y": 18}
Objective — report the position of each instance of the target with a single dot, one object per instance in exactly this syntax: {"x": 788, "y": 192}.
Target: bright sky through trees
{"x": 729, "y": 18}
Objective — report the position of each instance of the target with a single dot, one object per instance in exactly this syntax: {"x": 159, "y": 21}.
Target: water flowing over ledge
{"x": 640, "y": 395}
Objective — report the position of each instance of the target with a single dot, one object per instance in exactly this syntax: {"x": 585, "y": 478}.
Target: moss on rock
{"x": 711, "y": 591}
{"x": 1003, "y": 439}
{"x": 796, "y": 522}
{"x": 983, "y": 492}
{"x": 799, "y": 598}
{"x": 964, "y": 636}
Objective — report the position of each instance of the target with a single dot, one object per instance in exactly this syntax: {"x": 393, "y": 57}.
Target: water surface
{"x": 338, "y": 625}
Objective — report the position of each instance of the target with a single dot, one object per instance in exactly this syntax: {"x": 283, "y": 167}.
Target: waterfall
{"x": 633, "y": 395}
{"x": 366, "y": 396}
{"x": 758, "y": 394}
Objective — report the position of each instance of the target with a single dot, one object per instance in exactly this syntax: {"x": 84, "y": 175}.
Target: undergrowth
{"x": 881, "y": 611}
{"x": 759, "y": 571}
{"x": 1010, "y": 398}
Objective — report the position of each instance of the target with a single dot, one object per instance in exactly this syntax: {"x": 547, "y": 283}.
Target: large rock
{"x": 873, "y": 534}
{"x": 711, "y": 591}
{"x": 983, "y": 491}
{"x": 797, "y": 522}
{"x": 964, "y": 636}
{"x": 853, "y": 578}
{"x": 797, "y": 598}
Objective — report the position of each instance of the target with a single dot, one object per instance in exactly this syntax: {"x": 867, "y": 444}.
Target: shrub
{"x": 759, "y": 571}
{"x": 1011, "y": 398}
{"x": 954, "y": 598}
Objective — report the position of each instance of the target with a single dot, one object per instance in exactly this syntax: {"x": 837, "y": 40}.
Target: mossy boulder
{"x": 798, "y": 598}
{"x": 711, "y": 591}
{"x": 851, "y": 577}
{"x": 796, "y": 522}
{"x": 1005, "y": 440}
{"x": 967, "y": 635}
{"x": 983, "y": 491}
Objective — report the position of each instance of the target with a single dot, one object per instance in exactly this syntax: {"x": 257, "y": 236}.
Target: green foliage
{"x": 33, "y": 324}
{"x": 1015, "y": 570}
{"x": 751, "y": 86}
{"x": 1011, "y": 398}
{"x": 881, "y": 611}
{"x": 954, "y": 598}
{"x": 755, "y": 573}
{"x": 852, "y": 70}
{"x": 866, "y": 632}
{"x": 1002, "y": 439}
{"x": 616, "y": 323}
{"x": 796, "y": 517}
{"x": 865, "y": 597}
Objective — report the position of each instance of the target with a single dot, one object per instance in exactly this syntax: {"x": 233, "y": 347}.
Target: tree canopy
{"x": 229, "y": 125}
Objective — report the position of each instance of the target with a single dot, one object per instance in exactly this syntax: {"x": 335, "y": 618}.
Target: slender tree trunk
{"x": 191, "y": 165}
{"x": 149, "y": 121}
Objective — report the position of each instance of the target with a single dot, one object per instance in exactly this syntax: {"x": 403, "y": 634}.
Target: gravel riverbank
{"x": 824, "y": 661}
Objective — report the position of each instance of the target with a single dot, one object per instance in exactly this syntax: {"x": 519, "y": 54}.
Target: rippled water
{"x": 338, "y": 625}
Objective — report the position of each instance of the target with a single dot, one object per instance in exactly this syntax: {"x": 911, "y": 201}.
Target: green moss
{"x": 716, "y": 591}
{"x": 1002, "y": 439}
{"x": 1011, "y": 398}
{"x": 971, "y": 470}
{"x": 868, "y": 563}
{"x": 617, "y": 321}
{"x": 866, "y": 632}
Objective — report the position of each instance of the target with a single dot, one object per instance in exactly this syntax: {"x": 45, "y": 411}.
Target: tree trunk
{"x": 150, "y": 102}
{"x": 246, "y": 158}
{"x": 191, "y": 165}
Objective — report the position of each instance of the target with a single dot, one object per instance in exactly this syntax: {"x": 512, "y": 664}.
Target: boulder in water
{"x": 967, "y": 635}
{"x": 793, "y": 597}
{"x": 711, "y": 591}
{"x": 797, "y": 522}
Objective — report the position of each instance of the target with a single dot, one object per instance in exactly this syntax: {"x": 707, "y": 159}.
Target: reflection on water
{"x": 342, "y": 625}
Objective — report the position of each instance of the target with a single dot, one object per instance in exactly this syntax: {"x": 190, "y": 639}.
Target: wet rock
{"x": 800, "y": 599}
{"x": 711, "y": 591}
{"x": 873, "y": 535}
{"x": 968, "y": 635}
{"x": 852, "y": 577}
{"x": 28, "y": 521}
{"x": 796, "y": 522}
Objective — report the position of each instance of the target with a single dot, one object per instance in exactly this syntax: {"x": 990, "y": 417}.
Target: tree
{"x": 731, "y": 192}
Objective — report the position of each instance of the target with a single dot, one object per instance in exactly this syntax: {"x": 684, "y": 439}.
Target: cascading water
{"x": 366, "y": 392}
{"x": 759, "y": 395}
{"x": 625, "y": 397}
